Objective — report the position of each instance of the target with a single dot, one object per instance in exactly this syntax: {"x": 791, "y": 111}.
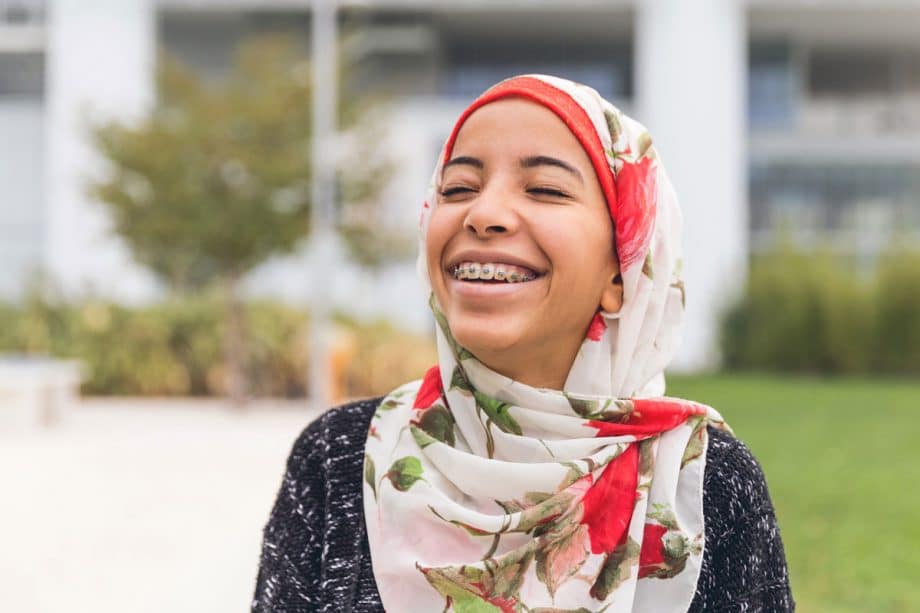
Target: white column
{"x": 100, "y": 63}
{"x": 691, "y": 67}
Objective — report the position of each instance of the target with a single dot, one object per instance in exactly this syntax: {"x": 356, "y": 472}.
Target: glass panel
{"x": 467, "y": 81}
{"x": 851, "y": 72}
{"x": 846, "y": 205}
{"x": 22, "y": 74}
{"x": 771, "y": 86}
{"x": 473, "y": 65}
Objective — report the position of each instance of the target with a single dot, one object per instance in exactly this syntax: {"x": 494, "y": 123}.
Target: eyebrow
{"x": 545, "y": 160}
{"x": 465, "y": 160}
{"x": 528, "y": 162}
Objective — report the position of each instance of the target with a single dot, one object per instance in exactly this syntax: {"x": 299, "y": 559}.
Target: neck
{"x": 548, "y": 370}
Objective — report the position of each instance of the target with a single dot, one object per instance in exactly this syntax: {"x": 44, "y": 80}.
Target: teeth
{"x": 488, "y": 271}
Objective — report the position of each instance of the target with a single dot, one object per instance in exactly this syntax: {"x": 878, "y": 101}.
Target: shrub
{"x": 820, "y": 313}
{"x": 898, "y": 304}
{"x": 174, "y": 347}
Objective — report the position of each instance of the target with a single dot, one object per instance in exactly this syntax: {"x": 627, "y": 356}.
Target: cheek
{"x": 579, "y": 246}
{"x": 581, "y": 254}
{"x": 440, "y": 231}
{"x": 434, "y": 239}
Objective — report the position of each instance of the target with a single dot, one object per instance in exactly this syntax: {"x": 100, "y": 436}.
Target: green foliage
{"x": 818, "y": 313}
{"x": 898, "y": 326}
{"x": 217, "y": 178}
{"x": 174, "y": 348}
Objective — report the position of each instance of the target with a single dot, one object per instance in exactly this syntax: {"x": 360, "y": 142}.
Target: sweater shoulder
{"x": 343, "y": 428}
{"x": 734, "y": 485}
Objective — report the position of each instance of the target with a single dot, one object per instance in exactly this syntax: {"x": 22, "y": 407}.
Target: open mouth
{"x": 488, "y": 272}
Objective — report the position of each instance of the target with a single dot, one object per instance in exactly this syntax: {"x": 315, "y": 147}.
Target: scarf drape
{"x": 484, "y": 494}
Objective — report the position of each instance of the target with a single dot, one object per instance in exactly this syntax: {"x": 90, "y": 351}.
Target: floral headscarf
{"x": 485, "y": 494}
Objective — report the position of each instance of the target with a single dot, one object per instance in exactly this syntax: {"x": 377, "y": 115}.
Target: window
{"x": 811, "y": 203}
{"x": 772, "y": 86}
{"x": 472, "y": 65}
{"x": 22, "y": 74}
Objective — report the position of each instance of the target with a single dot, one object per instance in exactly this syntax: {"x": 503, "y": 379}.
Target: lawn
{"x": 841, "y": 459}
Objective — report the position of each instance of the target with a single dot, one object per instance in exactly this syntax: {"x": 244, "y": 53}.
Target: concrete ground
{"x": 135, "y": 506}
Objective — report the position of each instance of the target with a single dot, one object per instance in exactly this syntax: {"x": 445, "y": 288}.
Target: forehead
{"x": 517, "y": 126}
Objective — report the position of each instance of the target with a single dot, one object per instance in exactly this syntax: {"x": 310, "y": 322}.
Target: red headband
{"x": 569, "y": 111}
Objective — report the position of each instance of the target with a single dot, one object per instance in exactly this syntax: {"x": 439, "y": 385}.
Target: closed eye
{"x": 452, "y": 191}
{"x": 548, "y": 191}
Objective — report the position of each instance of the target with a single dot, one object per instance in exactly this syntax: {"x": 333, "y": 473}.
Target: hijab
{"x": 485, "y": 494}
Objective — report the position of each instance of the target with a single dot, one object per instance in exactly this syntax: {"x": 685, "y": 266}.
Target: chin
{"x": 484, "y": 337}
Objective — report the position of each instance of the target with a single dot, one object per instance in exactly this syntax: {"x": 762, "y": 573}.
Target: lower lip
{"x": 468, "y": 289}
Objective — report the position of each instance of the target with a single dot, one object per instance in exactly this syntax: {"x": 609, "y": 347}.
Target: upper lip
{"x": 493, "y": 257}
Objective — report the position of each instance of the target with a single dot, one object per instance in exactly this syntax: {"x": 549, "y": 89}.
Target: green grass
{"x": 842, "y": 461}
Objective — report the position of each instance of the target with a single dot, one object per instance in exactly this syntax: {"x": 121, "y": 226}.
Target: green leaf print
{"x": 370, "y": 476}
{"x": 616, "y": 569}
{"x": 647, "y": 457}
{"x": 470, "y": 589}
{"x": 562, "y": 557}
{"x": 497, "y": 412}
{"x": 422, "y": 438}
{"x": 676, "y": 549}
{"x": 439, "y": 423}
{"x": 459, "y": 588}
{"x": 544, "y": 512}
{"x": 459, "y": 352}
{"x": 613, "y": 124}
{"x": 679, "y": 285}
{"x": 574, "y": 473}
{"x": 388, "y": 405}
{"x": 583, "y": 407}
{"x": 647, "y": 269}
{"x": 696, "y": 444}
{"x": 663, "y": 514}
{"x": 472, "y": 530}
{"x": 404, "y": 473}
{"x": 530, "y": 499}
{"x": 645, "y": 143}
{"x": 612, "y": 410}
{"x": 508, "y": 571}
{"x": 458, "y": 380}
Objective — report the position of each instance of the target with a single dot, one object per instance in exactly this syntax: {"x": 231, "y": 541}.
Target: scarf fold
{"x": 484, "y": 494}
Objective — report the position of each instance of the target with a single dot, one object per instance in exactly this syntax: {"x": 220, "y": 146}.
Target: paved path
{"x": 135, "y": 506}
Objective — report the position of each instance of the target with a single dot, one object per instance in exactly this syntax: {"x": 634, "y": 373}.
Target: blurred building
{"x": 774, "y": 118}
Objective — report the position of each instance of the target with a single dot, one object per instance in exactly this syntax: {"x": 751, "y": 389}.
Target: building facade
{"x": 774, "y": 118}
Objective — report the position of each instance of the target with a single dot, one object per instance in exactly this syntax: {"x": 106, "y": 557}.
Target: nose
{"x": 491, "y": 213}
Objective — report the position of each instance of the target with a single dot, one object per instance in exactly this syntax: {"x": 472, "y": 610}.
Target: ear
{"x": 612, "y": 296}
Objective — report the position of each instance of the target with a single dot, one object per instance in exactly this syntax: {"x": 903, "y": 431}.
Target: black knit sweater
{"x": 315, "y": 553}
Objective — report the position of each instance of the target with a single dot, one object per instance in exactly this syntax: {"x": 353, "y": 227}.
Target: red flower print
{"x": 608, "y": 505}
{"x": 651, "y": 557}
{"x": 597, "y": 327}
{"x": 650, "y": 416}
{"x": 637, "y": 198}
{"x": 431, "y": 389}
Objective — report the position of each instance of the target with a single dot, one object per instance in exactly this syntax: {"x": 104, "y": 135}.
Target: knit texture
{"x": 315, "y": 555}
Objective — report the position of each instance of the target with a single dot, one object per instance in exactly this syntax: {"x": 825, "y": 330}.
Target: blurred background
{"x": 207, "y": 224}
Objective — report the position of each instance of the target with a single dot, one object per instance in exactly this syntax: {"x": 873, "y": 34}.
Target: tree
{"x": 217, "y": 178}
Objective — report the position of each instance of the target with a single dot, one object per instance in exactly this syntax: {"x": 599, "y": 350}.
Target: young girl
{"x": 537, "y": 467}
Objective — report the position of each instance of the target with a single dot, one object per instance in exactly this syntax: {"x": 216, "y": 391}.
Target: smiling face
{"x": 519, "y": 199}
